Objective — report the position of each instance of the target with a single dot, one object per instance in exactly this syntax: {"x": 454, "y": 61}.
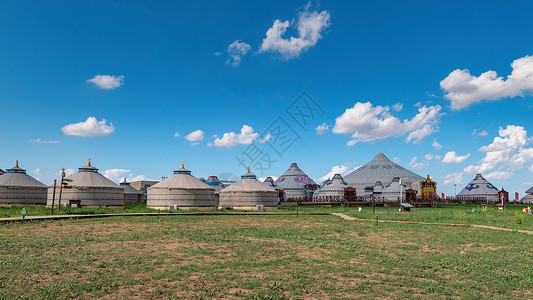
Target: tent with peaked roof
{"x": 90, "y": 188}
{"x": 479, "y": 187}
{"x": 270, "y": 182}
{"x": 332, "y": 190}
{"x": 215, "y": 183}
{"x": 183, "y": 191}
{"x": 293, "y": 183}
{"x": 17, "y": 187}
{"x": 394, "y": 191}
{"x": 131, "y": 194}
{"x": 380, "y": 168}
{"x": 247, "y": 193}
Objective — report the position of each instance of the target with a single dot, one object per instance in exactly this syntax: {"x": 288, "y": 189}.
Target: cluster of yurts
{"x": 182, "y": 190}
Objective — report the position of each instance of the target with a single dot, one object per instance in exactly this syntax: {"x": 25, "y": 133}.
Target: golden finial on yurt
{"x": 17, "y": 164}
{"x": 89, "y": 163}
{"x": 182, "y": 164}
{"x": 248, "y": 170}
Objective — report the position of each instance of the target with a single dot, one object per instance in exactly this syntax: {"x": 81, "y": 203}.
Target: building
{"x": 17, "y": 187}
{"x": 479, "y": 189}
{"x": 270, "y": 182}
{"x": 528, "y": 197}
{"x": 181, "y": 191}
{"x": 395, "y": 191}
{"x": 88, "y": 188}
{"x": 249, "y": 193}
{"x": 131, "y": 194}
{"x": 1, "y": 172}
{"x": 380, "y": 168}
{"x": 142, "y": 185}
{"x": 215, "y": 183}
{"x": 333, "y": 190}
{"x": 296, "y": 184}
{"x": 428, "y": 189}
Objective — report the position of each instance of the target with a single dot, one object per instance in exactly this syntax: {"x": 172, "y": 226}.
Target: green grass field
{"x": 260, "y": 257}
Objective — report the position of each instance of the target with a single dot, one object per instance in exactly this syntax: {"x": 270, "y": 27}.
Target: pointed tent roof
{"x": 248, "y": 183}
{"x": 215, "y": 183}
{"x": 182, "y": 179}
{"x": 88, "y": 176}
{"x": 17, "y": 177}
{"x": 380, "y": 168}
{"x": 335, "y": 185}
{"x": 269, "y": 182}
{"x": 293, "y": 179}
{"x": 530, "y": 190}
{"x": 128, "y": 189}
{"x": 479, "y": 187}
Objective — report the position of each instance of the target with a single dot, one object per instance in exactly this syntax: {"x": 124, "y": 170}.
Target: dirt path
{"x": 346, "y": 217}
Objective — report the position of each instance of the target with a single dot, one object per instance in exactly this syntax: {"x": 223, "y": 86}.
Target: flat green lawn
{"x": 260, "y": 257}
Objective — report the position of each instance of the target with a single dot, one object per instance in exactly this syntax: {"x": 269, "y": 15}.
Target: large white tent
{"x": 380, "y": 168}
{"x": 248, "y": 193}
{"x": 394, "y": 191}
{"x": 528, "y": 197}
{"x": 479, "y": 187}
{"x": 333, "y": 190}
{"x": 181, "y": 191}
{"x": 90, "y": 189}
{"x": 17, "y": 187}
{"x": 293, "y": 183}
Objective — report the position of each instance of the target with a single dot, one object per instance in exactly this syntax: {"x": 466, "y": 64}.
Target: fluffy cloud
{"x": 37, "y": 173}
{"x": 115, "y": 174}
{"x": 342, "y": 169}
{"x": 40, "y": 141}
{"x": 246, "y": 137}
{"x": 415, "y": 164}
{"x": 91, "y": 127}
{"x": 176, "y": 134}
{"x": 430, "y": 156}
{"x": 397, "y": 107}
{"x": 195, "y": 136}
{"x": 366, "y": 123}
{"x": 436, "y": 145}
{"x": 322, "y": 128}
{"x": 107, "y": 82}
{"x": 506, "y": 154}
{"x": 131, "y": 178}
{"x": 236, "y": 51}
{"x": 452, "y": 158}
{"x": 479, "y": 132}
{"x": 310, "y": 27}
{"x": 454, "y": 178}
{"x": 464, "y": 89}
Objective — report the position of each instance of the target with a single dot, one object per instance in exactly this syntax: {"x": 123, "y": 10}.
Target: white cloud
{"x": 342, "y": 169}
{"x": 429, "y": 156}
{"x": 415, "y": 164}
{"x": 454, "y": 178}
{"x": 499, "y": 175}
{"x": 506, "y": 154}
{"x": 397, "y": 107}
{"x": 310, "y": 27}
{"x": 265, "y": 139}
{"x": 479, "y": 132}
{"x": 464, "y": 89}
{"x": 322, "y": 128}
{"x": 195, "y": 136}
{"x": 91, "y": 127}
{"x": 396, "y": 159}
{"x": 176, "y": 134}
{"x": 531, "y": 169}
{"x": 263, "y": 178}
{"x": 430, "y": 95}
{"x": 107, "y": 82}
{"x": 366, "y": 123}
{"x": 37, "y": 173}
{"x": 452, "y": 158}
{"x": 236, "y": 51}
{"x": 436, "y": 145}
{"x": 131, "y": 178}
{"x": 246, "y": 137}
{"x": 40, "y": 141}
{"x": 115, "y": 174}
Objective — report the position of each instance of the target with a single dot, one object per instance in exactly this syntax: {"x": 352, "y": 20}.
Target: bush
{"x": 518, "y": 217}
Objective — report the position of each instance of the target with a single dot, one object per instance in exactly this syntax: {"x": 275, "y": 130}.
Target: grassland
{"x": 260, "y": 257}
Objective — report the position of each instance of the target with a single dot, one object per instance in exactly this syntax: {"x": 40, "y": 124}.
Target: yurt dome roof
{"x": 17, "y": 177}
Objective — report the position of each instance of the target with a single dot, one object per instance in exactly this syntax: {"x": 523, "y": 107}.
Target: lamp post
{"x": 455, "y": 189}
{"x": 60, "y": 189}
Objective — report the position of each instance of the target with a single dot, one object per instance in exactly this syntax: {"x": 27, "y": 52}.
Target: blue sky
{"x": 180, "y": 75}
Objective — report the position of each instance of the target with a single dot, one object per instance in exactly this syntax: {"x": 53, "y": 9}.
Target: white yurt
{"x": 270, "y": 182}
{"x": 215, "y": 183}
{"x": 293, "y": 183}
{"x": 380, "y": 168}
{"x": 331, "y": 191}
{"x": 17, "y": 187}
{"x": 394, "y": 191}
{"x": 479, "y": 187}
{"x": 249, "y": 193}
{"x": 88, "y": 188}
{"x": 131, "y": 194}
{"x": 181, "y": 191}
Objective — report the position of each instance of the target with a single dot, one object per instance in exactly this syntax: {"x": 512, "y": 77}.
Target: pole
{"x": 54, "y": 196}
